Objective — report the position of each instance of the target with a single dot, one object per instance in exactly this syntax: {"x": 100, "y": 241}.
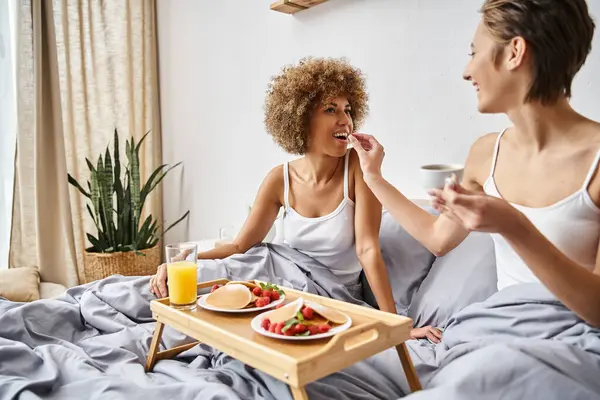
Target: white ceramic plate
{"x": 256, "y": 326}
{"x": 202, "y": 303}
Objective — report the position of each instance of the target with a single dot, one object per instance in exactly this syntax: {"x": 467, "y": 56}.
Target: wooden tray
{"x": 294, "y": 362}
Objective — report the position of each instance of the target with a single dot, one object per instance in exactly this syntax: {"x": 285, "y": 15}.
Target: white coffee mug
{"x": 433, "y": 176}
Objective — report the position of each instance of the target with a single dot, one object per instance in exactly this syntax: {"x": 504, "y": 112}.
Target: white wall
{"x": 216, "y": 58}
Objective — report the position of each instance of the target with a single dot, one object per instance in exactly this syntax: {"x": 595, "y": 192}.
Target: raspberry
{"x": 301, "y": 328}
{"x": 262, "y": 301}
{"x": 324, "y": 328}
{"x": 278, "y": 328}
{"x": 272, "y": 328}
{"x": 266, "y": 293}
{"x": 279, "y": 305}
{"x": 257, "y": 291}
{"x": 266, "y": 324}
{"x": 291, "y": 331}
{"x": 274, "y": 296}
{"x": 307, "y": 312}
{"x": 314, "y": 329}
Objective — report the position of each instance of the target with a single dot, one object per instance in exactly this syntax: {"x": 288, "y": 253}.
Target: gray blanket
{"x": 92, "y": 343}
{"x": 521, "y": 343}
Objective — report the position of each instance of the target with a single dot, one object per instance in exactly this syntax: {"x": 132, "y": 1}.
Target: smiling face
{"x": 497, "y": 73}
{"x": 329, "y": 127}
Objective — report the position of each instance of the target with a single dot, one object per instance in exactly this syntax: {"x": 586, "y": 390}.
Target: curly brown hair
{"x": 293, "y": 94}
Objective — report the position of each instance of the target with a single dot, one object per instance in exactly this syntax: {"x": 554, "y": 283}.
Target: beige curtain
{"x": 85, "y": 68}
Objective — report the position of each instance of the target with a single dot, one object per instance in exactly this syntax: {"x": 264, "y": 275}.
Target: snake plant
{"x": 120, "y": 228}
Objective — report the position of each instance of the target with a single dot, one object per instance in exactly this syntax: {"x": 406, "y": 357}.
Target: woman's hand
{"x": 370, "y": 154}
{"x": 474, "y": 210}
{"x": 158, "y": 283}
{"x": 427, "y": 332}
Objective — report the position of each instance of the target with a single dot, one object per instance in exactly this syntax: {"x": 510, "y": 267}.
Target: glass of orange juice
{"x": 182, "y": 275}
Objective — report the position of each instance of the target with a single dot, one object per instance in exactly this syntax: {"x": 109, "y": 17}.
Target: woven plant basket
{"x": 102, "y": 265}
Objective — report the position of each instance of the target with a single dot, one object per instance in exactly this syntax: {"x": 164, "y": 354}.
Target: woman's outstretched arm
{"x": 257, "y": 225}
{"x": 438, "y": 234}
{"x": 259, "y": 221}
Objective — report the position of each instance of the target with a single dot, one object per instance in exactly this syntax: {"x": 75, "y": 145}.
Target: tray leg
{"x": 154, "y": 346}
{"x": 168, "y": 354}
{"x": 409, "y": 368}
{"x": 299, "y": 393}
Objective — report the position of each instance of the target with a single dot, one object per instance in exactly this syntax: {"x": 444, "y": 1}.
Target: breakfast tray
{"x": 296, "y": 363}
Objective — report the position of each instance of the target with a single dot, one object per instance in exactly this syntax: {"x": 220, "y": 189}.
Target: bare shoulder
{"x": 594, "y": 131}
{"x": 354, "y": 169}
{"x": 370, "y": 208}
{"x": 483, "y": 147}
{"x": 479, "y": 160}
{"x": 272, "y": 185}
{"x": 354, "y": 172}
{"x": 593, "y": 137}
{"x": 274, "y": 177}
{"x": 353, "y": 160}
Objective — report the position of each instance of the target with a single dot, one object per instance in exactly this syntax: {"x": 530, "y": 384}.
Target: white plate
{"x": 256, "y": 326}
{"x": 202, "y": 303}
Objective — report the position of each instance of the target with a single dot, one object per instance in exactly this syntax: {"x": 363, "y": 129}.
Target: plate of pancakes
{"x": 301, "y": 320}
{"x": 242, "y": 297}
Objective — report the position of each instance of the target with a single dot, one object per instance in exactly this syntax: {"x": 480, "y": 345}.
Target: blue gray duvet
{"x": 91, "y": 343}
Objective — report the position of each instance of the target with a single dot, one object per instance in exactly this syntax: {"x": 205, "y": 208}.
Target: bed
{"x": 91, "y": 341}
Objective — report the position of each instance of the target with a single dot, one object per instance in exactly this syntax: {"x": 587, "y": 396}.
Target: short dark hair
{"x": 558, "y": 33}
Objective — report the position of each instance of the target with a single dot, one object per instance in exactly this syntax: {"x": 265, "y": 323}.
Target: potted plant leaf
{"x": 123, "y": 244}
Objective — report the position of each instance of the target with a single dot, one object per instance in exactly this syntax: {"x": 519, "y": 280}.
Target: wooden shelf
{"x": 294, "y": 6}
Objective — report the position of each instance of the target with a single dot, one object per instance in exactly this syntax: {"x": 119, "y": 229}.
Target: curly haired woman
{"x": 329, "y": 212}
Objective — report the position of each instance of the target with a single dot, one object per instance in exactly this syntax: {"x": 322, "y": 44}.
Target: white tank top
{"x": 571, "y": 224}
{"x": 330, "y": 238}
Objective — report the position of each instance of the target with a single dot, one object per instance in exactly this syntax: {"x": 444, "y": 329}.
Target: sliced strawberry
{"x": 307, "y": 312}
{"x": 265, "y": 324}
{"x": 215, "y": 287}
{"x": 324, "y": 328}
{"x": 257, "y": 291}
{"x": 280, "y": 305}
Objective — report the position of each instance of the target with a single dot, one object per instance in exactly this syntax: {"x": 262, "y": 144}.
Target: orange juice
{"x": 181, "y": 278}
